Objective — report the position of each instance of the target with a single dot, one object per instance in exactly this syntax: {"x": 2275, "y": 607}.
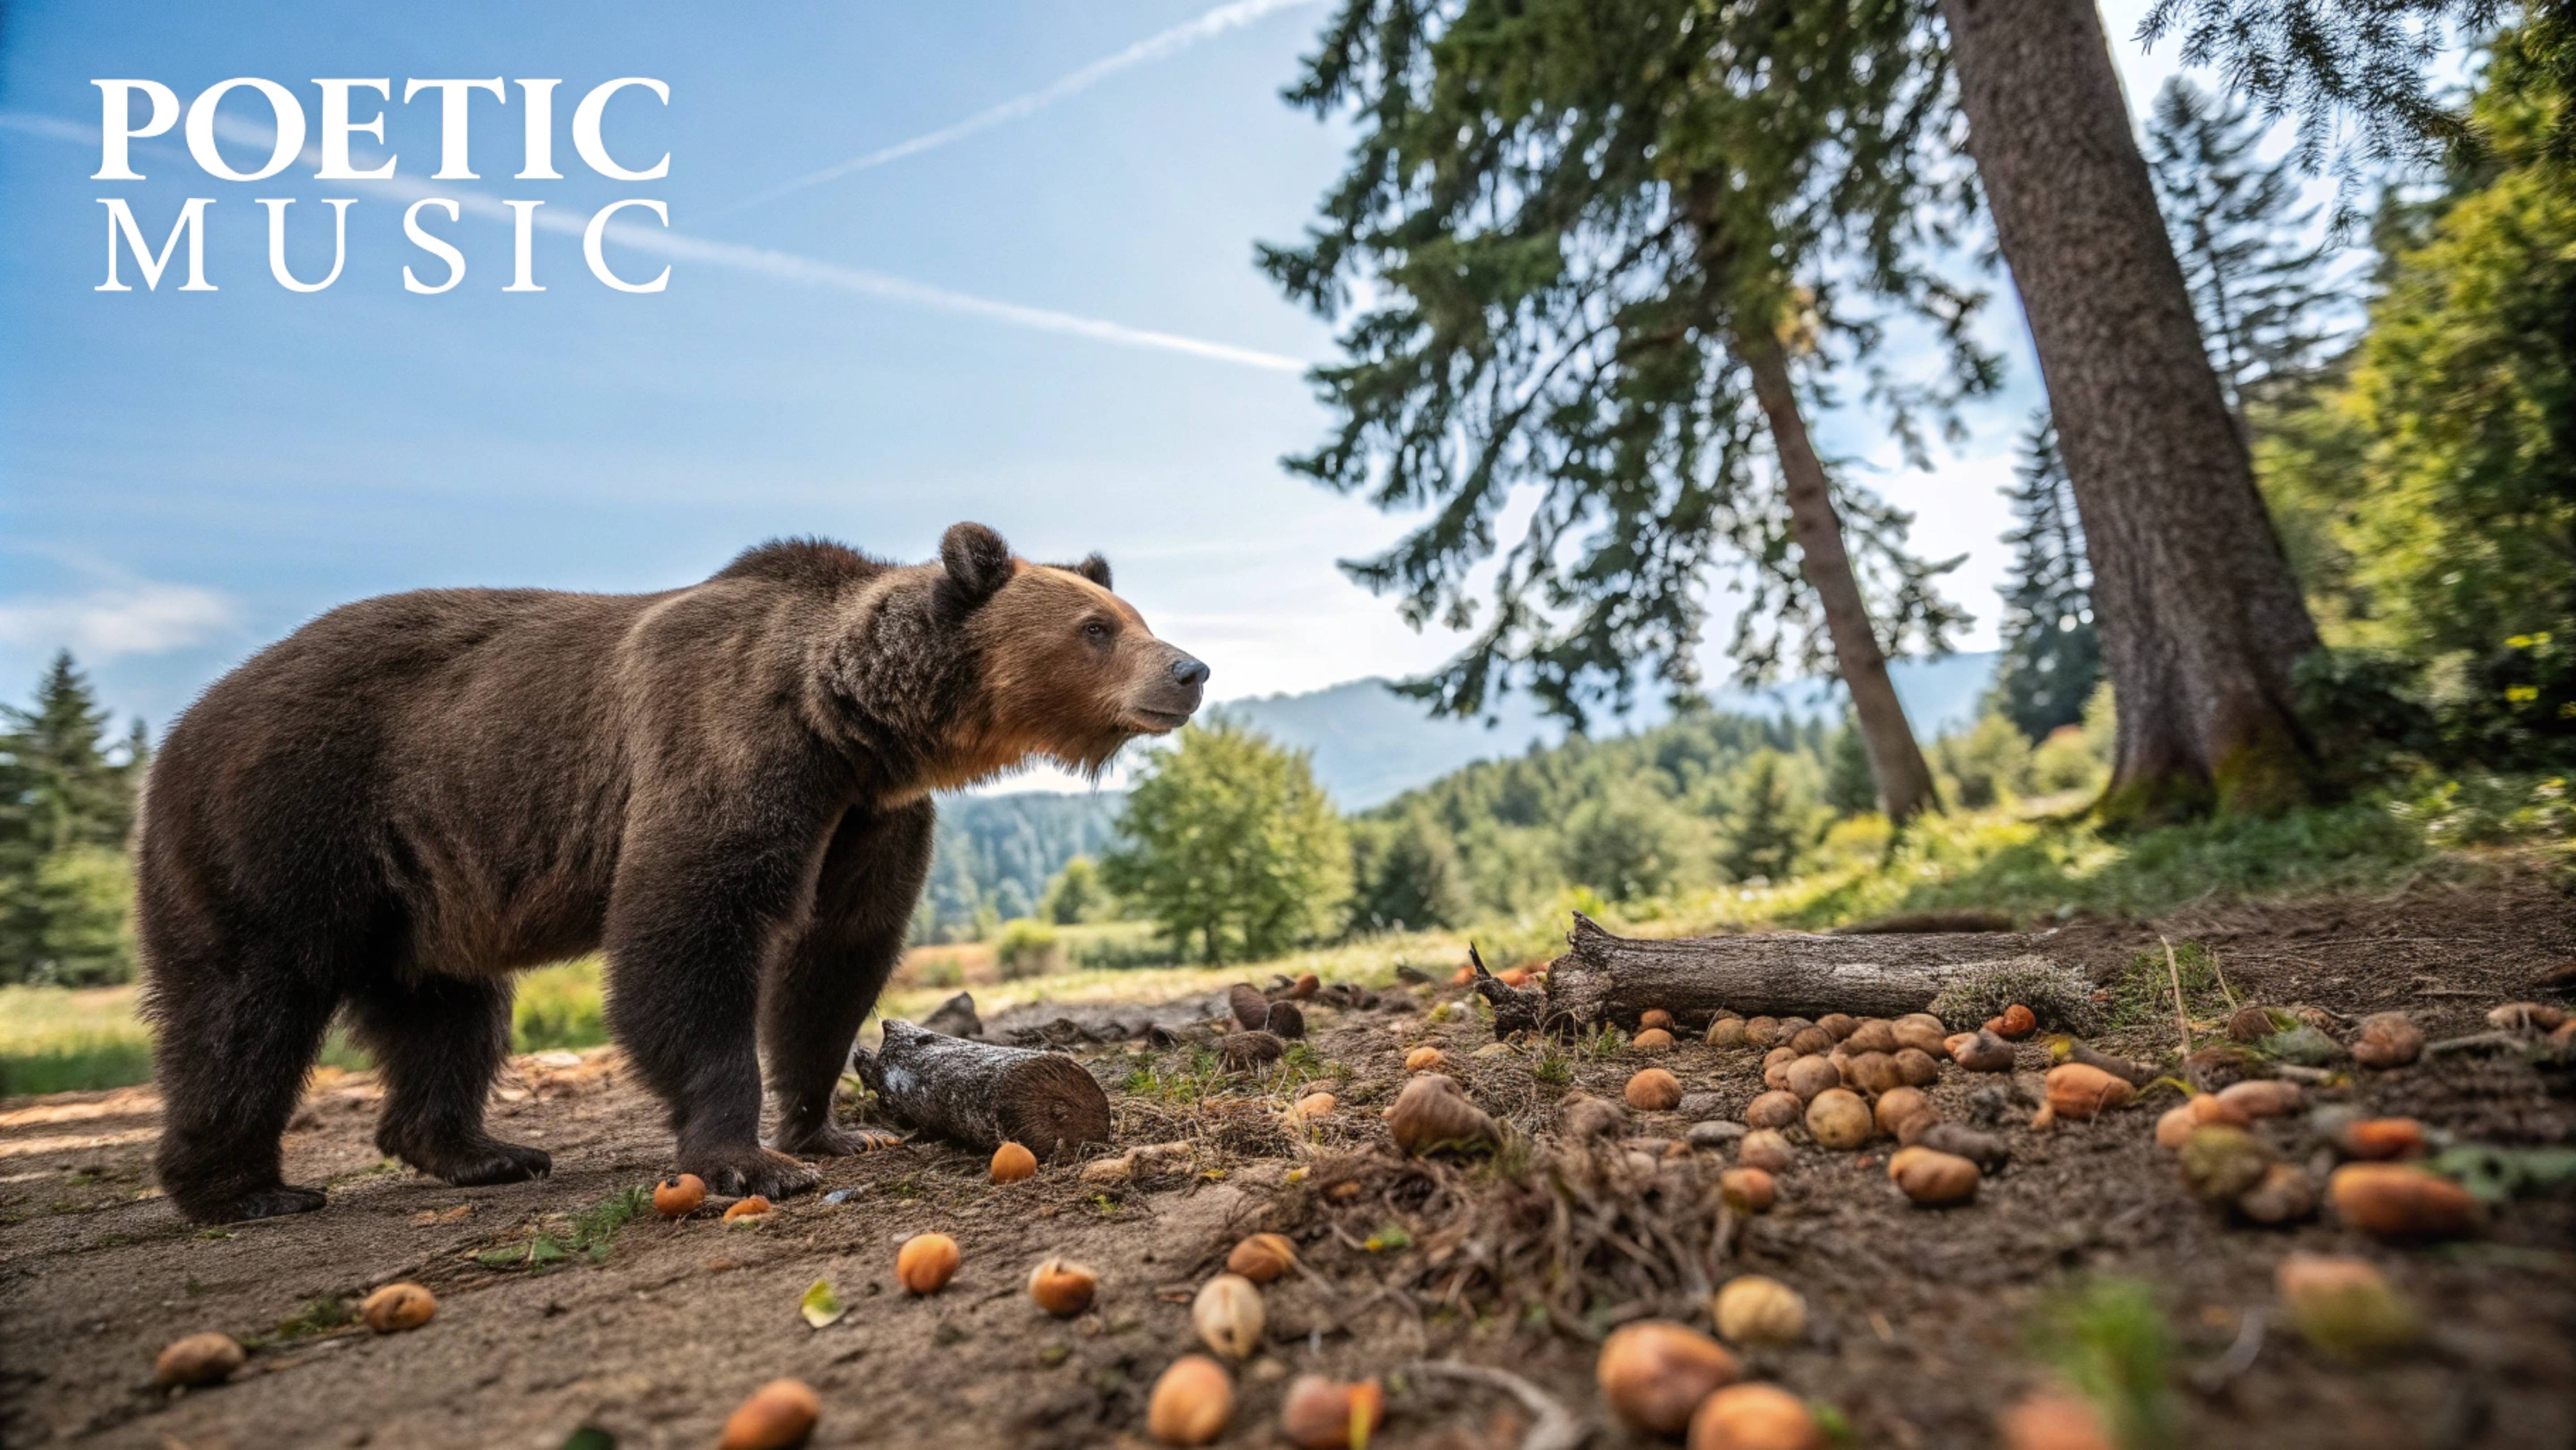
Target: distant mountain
{"x": 1368, "y": 745}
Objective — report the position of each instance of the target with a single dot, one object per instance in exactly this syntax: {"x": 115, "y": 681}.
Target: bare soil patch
{"x": 1921, "y": 1321}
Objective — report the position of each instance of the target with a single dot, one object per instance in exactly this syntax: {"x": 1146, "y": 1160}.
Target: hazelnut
{"x": 1983, "y": 1051}
{"x": 1875, "y": 1034}
{"x": 679, "y": 1195}
{"x": 1766, "y": 1149}
{"x": 2078, "y": 1091}
{"x": 1761, "y": 1031}
{"x": 2382, "y": 1138}
{"x": 742, "y": 1208}
{"x": 2016, "y": 1023}
{"x": 1754, "y": 1417}
{"x": 1921, "y": 1031}
{"x": 1653, "y": 1039}
{"x": 1654, "y": 1090}
{"x": 1012, "y": 1162}
{"x": 1312, "y": 1106}
{"x": 1322, "y": 1414}
{"x": 1655, "y": 1017}
{"x": 1655, "y": 1372}
{"x": 1811, "y": 1075}
{"x": 1812, "y": 1039}
{"x": 1838, "y": 1025}
{"x": 1839, "y": 1119}
{"x": 1748, "y": 1189}
{"x": 1872, "y": 1072}
{"x": 1933, "y": 1178}
{"x": 199, "y": 1359}
{"x": 1191, "y": 1402}
{"x": 1262, "y": 1257}
{"x": 1228, "y": 1315}
{"x": 926, "y": 1263}
{"x": 397, "y": 1307}
{"x": 2400, "y": 1201}
{"x": 1774, "y": 1110}
{"x": 1898, "y": 1104}
{"x": 1726, "y": 1031}
{"x": 1915, "y": 1067}
{"x": 1422, "y": 1059}
{"x": 2053, "y": 1420}
{"x": 2285, "y": 1194}
{"x": 2387, "y": 1039}
{"x": 1062, "y": 1287}
{"x": 2344, "y": 1306}
{"x": 1758, "y": 1309}
{"x": 2261, "y": 1097}
{"x": 778, "y": 1415}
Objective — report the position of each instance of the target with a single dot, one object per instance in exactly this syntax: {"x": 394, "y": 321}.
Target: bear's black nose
{"x": 1189, "y": 672}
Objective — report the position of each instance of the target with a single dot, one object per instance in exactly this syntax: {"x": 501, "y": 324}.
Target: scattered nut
{"x": 2078, "y": 1090}
{"x": 2526, "y": 1017}
{"x": 2261, "y": 1097}
{"x": 397, "y": 1307}
{"x": 1758, "y": 1309}
{"x": 1322, "y": 1414}
{"x": 1228, "y": 1315}
{"x": 1872, "y": 1072}
{"x": 1653, "y": 1039}
{"x": 926, "y": 1262}
{"x": 1654, "y": 1090}
{"x": 1810, "y": 1075}
{"x": 1984, "y": 1051}
{"x": 776, "y": 1416}
{"x": 1898, "y": 1104}
{"x": 1875, "y": 1034}
{"x": 2344, "y": 1306}
{"x": 1655, "y": 1373}
{"x": 1773, "y": 1110}
{"x": 2403, "y": 1202}
{"x": 1933, "y": 1178}
{"x": 200, "y": 1359}
{"x": 1062, "y": 1287}
{"x": 1191, "y": 1402}
{"x": 2219, "y": 1162}
{"x": 1921, "y": 1031}
{"x": 1013, "y": 1162}
{"x": 1433, "y": 1114}
{"x": 1766, "y": 1149}
{"x": 2285, "y": 1194}
{"x": 1422, "y": 1059}
{"x": 1655, "y": 1017}
{"x": 1839, "y": 1119}
{"x": 1726, "y": 1031}
{"x": 2053, "y": 1420}
{"x": 1761, "y": 1031}
{"x": 679, "y": 1195}
{"x": 1838, "y": 1025}
{"x": 1312, "y": 1106}
{"x": 2016, "y": 1023}
{"x": 2382, "y": 1138}
{"x": 1812, "y": 1039}
{"x": 1988, "y": 1151}
{"x": 1262, "y": 1257}
{"x": 2388, "y": 1039}
{"x": 1748, "y": 1189}
{"x": 1754, "y": 1417}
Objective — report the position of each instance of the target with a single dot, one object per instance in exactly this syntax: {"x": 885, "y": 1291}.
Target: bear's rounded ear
{"x": 1095, "y": 569}
{"x": 976, "y": 559}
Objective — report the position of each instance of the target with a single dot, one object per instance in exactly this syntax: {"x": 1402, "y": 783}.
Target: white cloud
{"x": 135, "y": 619}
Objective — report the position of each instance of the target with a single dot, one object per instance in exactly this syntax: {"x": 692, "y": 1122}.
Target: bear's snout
{"x": 1170, "y": 696}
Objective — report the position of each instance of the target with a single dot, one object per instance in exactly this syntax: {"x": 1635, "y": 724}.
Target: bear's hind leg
{"x": 826, "y": 978}
{"x": 231, "y": 1047}
{"x": 439, "y": 1041}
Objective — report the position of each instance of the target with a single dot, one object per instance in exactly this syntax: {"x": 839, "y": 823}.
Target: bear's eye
{"x": 1095, "y": 631}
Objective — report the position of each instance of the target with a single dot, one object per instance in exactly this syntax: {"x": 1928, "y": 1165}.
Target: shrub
{"x": 1028, "y": 948}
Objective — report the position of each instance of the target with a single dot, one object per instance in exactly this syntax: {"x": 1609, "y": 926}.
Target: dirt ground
{"x": 1921, "y": 1321}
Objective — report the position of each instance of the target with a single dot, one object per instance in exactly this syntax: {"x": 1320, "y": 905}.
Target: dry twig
{"x": 1552, "y": 1426}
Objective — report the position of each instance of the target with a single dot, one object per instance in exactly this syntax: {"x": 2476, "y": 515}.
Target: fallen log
{"x": 1964, "y": 978}
{"x": 982, "y": 1093}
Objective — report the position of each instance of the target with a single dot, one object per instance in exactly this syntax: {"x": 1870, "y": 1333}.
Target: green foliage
{"x": 558, "y": 1007}
{"x": 66, "y": 807}
{"x": 1573, "y": 218}
{"x": 2260, "y": 289}
{"x": 1028, "y": 948}
{"x": 1229, "y": 845}
{"x": 997, "y": 857}
{"x": 2052, "y": 659}
{"x": 1408, "y": 874}
{"x": 2107, "y": 1338}
{"x": 587, "y": 1234}
{"x": 1623, "y": 842}
{"x": 1075, "y": 894}
{"x": 1987, "y": 765}
{"x": 1771, "y": 816}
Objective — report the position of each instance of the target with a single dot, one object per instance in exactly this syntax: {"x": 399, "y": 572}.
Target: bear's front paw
{"x": 747, "y": 1170}
{"x": 832, "y": 1141}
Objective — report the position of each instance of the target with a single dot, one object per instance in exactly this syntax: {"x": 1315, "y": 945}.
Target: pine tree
{"x": 2258, "y": 286}
{"x": 1612, "y": 244}
{"x": 66, "y": 809}
{"x": 2051, "y": 656}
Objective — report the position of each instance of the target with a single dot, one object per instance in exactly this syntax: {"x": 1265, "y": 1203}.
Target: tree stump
{"x": 1965, "y": 976}
{"x": 983, "y": 1094}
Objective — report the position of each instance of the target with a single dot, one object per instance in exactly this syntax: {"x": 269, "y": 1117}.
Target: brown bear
{"x": 726, "y": 787}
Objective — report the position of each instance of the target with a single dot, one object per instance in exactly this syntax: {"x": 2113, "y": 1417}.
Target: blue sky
{"x": 1047, "y": 320}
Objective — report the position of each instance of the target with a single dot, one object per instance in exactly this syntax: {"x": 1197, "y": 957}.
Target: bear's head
{"x": 986, "y": 660}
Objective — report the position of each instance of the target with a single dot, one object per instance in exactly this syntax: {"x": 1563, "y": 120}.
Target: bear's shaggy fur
{"x": 725, "y": 786}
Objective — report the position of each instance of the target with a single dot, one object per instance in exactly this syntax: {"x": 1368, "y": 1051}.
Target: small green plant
{"x": 1603, "y": 1044}
{"x": 1193, "y": 1077}
{"x": 2144, "y": 990}
{"x": 1390, "y": 1238}
{"x": 2107, "y": 1339}
{"x": 1552, "y": 1066}
{"x": 588, "y": 1233}
{"x": 320, "y": 1315}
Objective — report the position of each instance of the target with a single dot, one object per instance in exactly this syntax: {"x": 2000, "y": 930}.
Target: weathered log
{"x": 1607, "y": 978}
{"x": 981, "y": 1093}
{"x": 956, "y": 1018}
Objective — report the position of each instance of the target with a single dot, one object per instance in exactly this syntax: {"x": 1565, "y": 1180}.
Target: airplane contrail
{"x": 1153, "y": 47}
{"x": 760, "y": 261}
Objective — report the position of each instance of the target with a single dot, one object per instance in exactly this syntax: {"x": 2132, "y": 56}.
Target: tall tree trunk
{"x": 2199, "y": 616}
{"x": 1895, "y": 762}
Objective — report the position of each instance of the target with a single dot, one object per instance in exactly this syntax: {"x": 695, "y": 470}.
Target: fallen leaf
{"x": 822, "y": 1307}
